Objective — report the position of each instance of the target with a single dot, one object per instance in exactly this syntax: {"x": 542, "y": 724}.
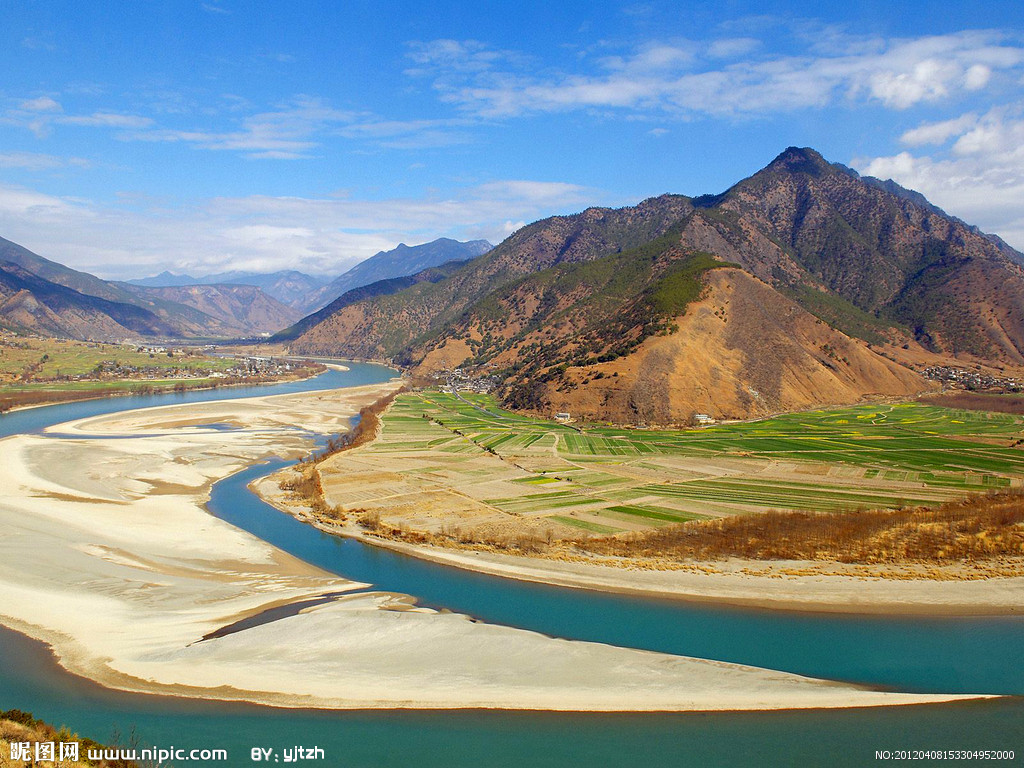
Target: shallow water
{"x": 975, "y": 654}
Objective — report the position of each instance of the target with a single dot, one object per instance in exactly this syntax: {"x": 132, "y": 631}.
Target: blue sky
{"x": 202, "y": 136}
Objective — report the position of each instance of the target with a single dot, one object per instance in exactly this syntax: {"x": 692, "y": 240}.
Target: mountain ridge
{"x": 401, "y": 261}
{"x": 38, "y": 295}
{"x": 878, "y": 265}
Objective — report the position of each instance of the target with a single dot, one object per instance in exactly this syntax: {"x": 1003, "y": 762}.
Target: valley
{"x": 36, "y": 370}
{"x": 454, "y": 471}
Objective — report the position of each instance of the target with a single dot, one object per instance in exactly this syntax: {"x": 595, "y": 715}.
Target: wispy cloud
{"x": 728, "y": 76}
{"x": 974, "y": 169}
{"x": 260, "y": 232}
{"x": 291, "y": 130}
{"x": 106, "y": 120}
{"x": 286, "y": 133}
{"x": 41, "y": 113}
{"x": 40, "y": 104}
{"x": 38, "y": 162}
{"x": 410, "y": 134}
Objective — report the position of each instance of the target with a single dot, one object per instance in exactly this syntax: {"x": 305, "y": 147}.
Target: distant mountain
{"x": 219, "y": 310}
{"x": 165, "y": 280}
{"x": 289, "y": 287}
{"x": 38, "y": 295}
{"x": 32, "y": 304}
{"x": 779, "y": 293}
{"x": 401, "y": 261}
{"x": 379, "y": 288}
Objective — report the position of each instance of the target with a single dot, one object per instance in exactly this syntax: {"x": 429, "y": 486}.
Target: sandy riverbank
{"x": 109, "y": 556}
{"x": 415, "y": 492}
{"x": 789, "y": 585}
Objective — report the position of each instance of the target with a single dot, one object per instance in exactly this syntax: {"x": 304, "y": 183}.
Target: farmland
{"x": 458, "y": 465}
{"x": 37, "y": 370}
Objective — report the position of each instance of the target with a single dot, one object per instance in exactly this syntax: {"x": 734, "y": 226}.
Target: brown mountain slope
{"x": 223, "y": 310}
{"x": 831, "y": 260}
{"x": 29, "y": 303}
{"x": 804, "y": 222}
{"x": 742, "y": 351}
{"x": 384, "y": 326}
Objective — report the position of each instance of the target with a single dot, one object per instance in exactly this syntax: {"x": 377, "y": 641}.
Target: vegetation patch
{"x": 979, "y": 528}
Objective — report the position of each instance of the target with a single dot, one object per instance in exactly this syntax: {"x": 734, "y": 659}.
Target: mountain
{"x": 810, "y": 229}
{"x": 290, "y": 287}
{"x": 782, "y": 292}
{"x": 380, "y": 288}
{"x": 165, "y": 280}
{"x": 38, "y": 295}
{"x": 384, "y": 326}
{"x": 219, "y": 310}
{"x": 401, "y": 261}
{"x": 54, "y": 272}
{"x": 32, "y": 304}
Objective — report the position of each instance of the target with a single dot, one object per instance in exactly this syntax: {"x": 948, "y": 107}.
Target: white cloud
{"x": 106, "y": 120}
{"x": 938, "y": 133}
{"x": 683, "y": 78}
{"x": 977, "y": 77}
{"x": 40, "y": 104}
{"x": 37, "y": 162}
{"x": 979, "y": 178}
{"x": 731, "y": 47}
{"x": 321, "y": 235}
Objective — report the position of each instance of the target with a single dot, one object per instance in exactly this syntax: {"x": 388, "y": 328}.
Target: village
{"x": 976, "y": 380}
{"x": 30, "y": 360}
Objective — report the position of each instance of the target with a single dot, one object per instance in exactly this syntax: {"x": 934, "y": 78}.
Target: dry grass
{"x": 365, "y": 431}
{"x": 304, "y": 480}
{"x": 976, "y": 401}
{"x": 976, "y": 529}
{"x": 18, "y": 726}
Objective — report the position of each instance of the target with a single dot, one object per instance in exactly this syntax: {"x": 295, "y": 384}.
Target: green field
{"x": 31, "y": 361}
{"x": 601, "y": 479}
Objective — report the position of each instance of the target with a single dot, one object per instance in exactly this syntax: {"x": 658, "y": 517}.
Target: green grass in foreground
{"x": 850, "y": 458}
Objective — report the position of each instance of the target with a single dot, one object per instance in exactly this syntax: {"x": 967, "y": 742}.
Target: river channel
{"x": 970, "y": 655}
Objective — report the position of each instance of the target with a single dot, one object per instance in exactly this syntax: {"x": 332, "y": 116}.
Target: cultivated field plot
{"x": 460, "y": 462}
{"x": 36, "y": 363}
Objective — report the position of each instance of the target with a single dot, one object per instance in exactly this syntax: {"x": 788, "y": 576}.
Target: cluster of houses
{"x": 457, "y": 379}
{"x": 962, "y": 378}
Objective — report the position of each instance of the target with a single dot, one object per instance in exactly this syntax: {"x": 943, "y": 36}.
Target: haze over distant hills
{"x": 398, "y": 262}
{"x": 803, "y": 284}
{"x": 38, "y": 295}
{"x": 307, "y": 292}
{"x": 290, "y": 287}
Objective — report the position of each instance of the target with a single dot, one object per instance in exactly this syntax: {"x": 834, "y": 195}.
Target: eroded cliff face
{"x": 742, "y": 351}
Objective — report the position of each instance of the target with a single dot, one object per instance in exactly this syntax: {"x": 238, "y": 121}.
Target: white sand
{"x": 784, "y": 585}
{"x": 108, "y": 554}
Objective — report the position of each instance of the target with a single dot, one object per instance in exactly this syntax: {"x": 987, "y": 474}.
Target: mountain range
{"x": 804, "y": 284}
{"x": 308, "y": 293}
{"x": 38, "y": 295}
{"x": 398, "y": 262}
{"x": 290, "y": 287}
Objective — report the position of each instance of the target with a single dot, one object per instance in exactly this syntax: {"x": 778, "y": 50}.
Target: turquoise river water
{"x": 970, "y": 655}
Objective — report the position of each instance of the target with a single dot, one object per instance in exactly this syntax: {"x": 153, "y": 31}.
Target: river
{"x": 976, "y": 654}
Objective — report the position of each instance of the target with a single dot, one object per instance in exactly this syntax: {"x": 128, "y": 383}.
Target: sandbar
{"x": 110, "y": 556}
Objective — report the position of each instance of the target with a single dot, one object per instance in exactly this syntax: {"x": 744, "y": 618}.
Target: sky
{"x": 205, "y": 136}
